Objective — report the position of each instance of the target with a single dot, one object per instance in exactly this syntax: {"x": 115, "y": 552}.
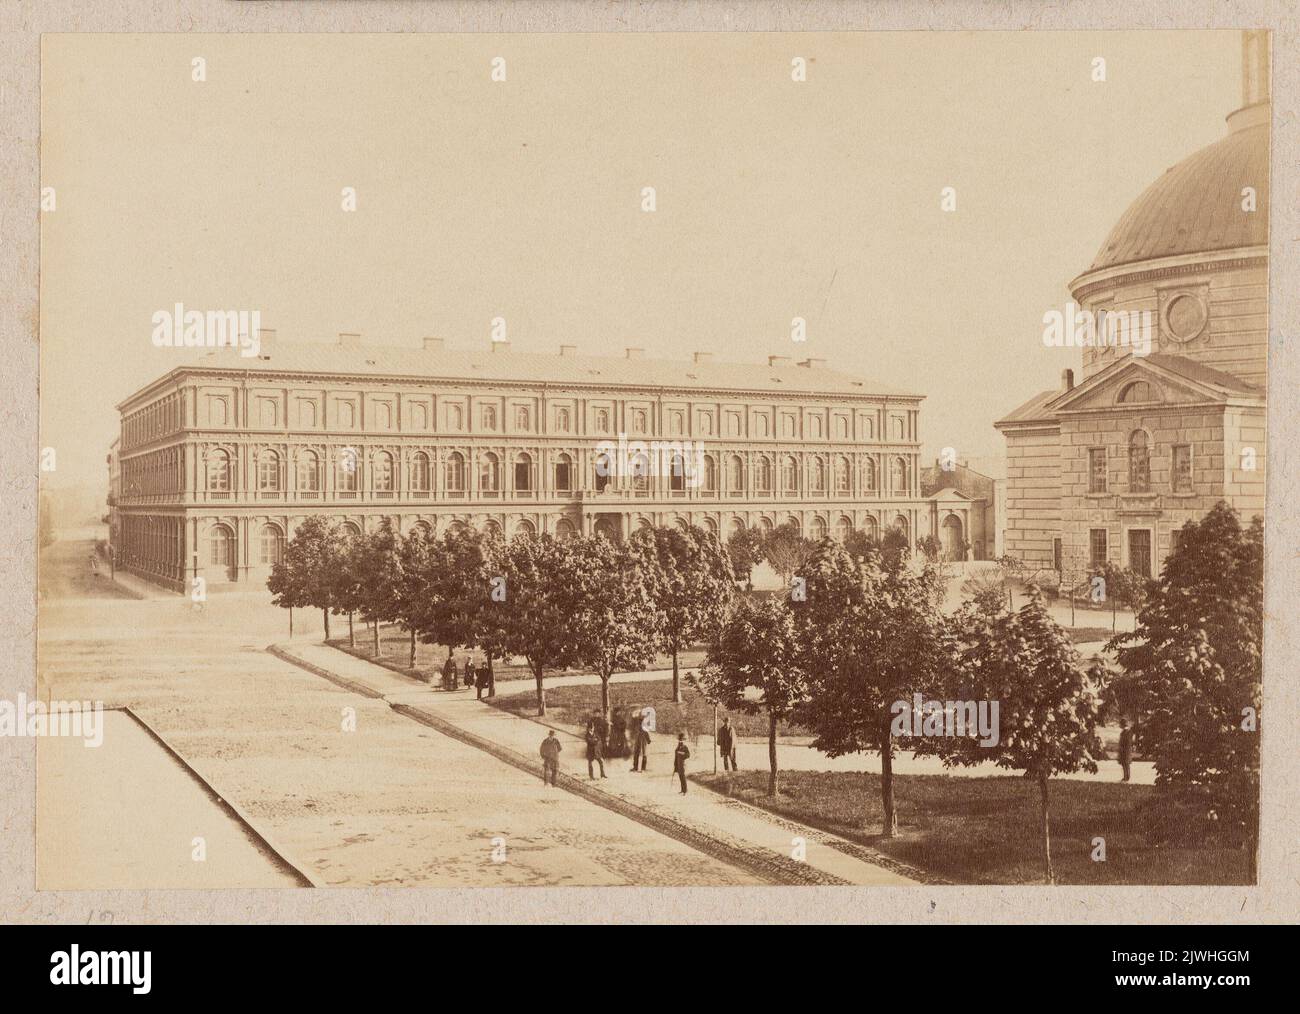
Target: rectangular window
{"x": 1056, "y": 554}
{"x": 1139, "y": 550}
{"x": 1097, "y": 470}
{"x": 1097, "y": 546}
{"x": 1182, "y": 470}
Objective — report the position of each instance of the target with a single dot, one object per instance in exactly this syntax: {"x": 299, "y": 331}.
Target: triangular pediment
{"x": 1138, "y": 382}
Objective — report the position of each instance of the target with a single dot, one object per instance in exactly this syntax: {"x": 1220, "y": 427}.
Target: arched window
{"x": 638, "y": 421}
{"x": 604, "y": 469}
{"x": 562, "y": 420}
{"x": 455, "y": 417}
{"x": 817, "y": 529}
{"x": 489, "y": 417}
{"x": 763, "y": 475}
{"x": 710, "y": 474}
{"x": 383, "y": 474}
{"x": 761, "y": 426}
{"x": 347, "y": 414}
{"x": 735, "y": 475}
{"x": 676, "y": 422}
{"x": 307, "y": 414}
{"x": 1139, "y": 462}
{"x": 525, "y": 527}
{"x": 677, "y": 473}
{"x": 704, "y": 423}
{"x": 523, "y": 473}
{"x": 345, "y": 478}
{"x": 898, "y": 477}
{"x": 270, "y": 545}
{"x": 489, "y": 473}
{"x": 221, "y": 546}
{"x": 219, "y": 472}
{"x": 814, "y": 427}
{"x": 564, "y": 473}
{"x": 564, "y": 529}
{"x": 711, "y": 527}
{"x": 733, "y": 424}
{"x": 1137, "y": 391}
{"x": 419, "y": 416}
{"x": 268, "y": 472}
{"x": 817, "y": 476}
{"x": 351, "y": 530}
{"x": 841, "y": 428}
{"x": 602, "y": 420}
{"x": 523, "y": 418}
{"x": 843, "y": 527}
{"x": 383, "y": 415}
{"x": 900, "y": 524}
{"x": 641, "y": 472}
{"x": 843, "y": 477}
{"x": 787, "y": 425}
{"x": 308, "y": 472}
{"x": 869, "y": 475}
{"x": 790, "y": 475}
{"x": 455, "y": 468}
{"x": 900, "y": 428}
{"x": 420, "y": 473}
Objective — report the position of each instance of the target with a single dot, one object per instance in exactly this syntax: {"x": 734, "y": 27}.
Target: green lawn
{"x": 986, "y": 830}
{"x": 572, "y": 705}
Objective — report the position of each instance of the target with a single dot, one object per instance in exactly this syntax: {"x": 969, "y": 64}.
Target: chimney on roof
{"x": 265, "y": 342}
{"x": 1255, "y": 87}
{"x": 1067, "y": 380}
{"x": 813, "y": 364}
{"x": 635, "y": 353}
{"x": 568, "y": 350}
{"x": 778, "y": 360}
{"x": 702, "y": 358}
{"x": 434, "y": 345}
{"x": 500, "y": 346}
{"x": 349, "y": 340}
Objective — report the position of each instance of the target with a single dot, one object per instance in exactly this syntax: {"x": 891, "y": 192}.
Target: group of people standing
{"x": 601, "y": 739}
{"x": 480, "y": 677}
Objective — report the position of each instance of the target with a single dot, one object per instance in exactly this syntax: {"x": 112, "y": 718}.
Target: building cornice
{"x": 1090, "y": 282}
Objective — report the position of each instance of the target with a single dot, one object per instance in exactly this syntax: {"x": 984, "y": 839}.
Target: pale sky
{"x": 522, "y": 199}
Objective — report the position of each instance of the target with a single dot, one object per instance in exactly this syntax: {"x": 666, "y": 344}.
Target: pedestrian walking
{"x": 1125, "y": 748}
{"x": 480, "y": 681}
{"x": 449, "y": 674}
{"x": 469, "y": 673}
{"x": 550, "y": 758}
{"x": 640, "y": 742}
{"x": 679, "y": 760}
{"x": 595, "y": 750}
{"x": 727, "y": 745}
{"x": 491, "y": 679}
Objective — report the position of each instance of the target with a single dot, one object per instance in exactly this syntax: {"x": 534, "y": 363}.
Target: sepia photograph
{"x": 704, "y": 465}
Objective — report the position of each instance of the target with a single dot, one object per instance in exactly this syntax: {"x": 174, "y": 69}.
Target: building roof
{"x": 1195, "y": 207}
{"x": 1034, "y": 410}
{"x": 1193, "y": 370}
{"x": 530, "y": 367}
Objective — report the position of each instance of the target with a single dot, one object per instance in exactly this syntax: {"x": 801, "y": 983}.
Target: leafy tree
{"x": 861, "y": 545}
{"x": 612, "y": 614}
{"x": 1121, "y": 586}
{"x": 745, "y": 550}
{"x": 533, "y": 619}
{"x": 1194, "y": 663}
{"x": 420, "y": 564}
{"x": 1048, "y": 701}
{"x": 305, "y": 577}
{"x": 785, "y": 548}
{"x": 347, "y": 591}
{"x": 691, "y": 582}
{"x": 759, "y": 646}
{"x": 376, "y": 577}
{"x": 873, "y": 633}
{"x": 894, "y": 548}
{"x": 930, "y": 548}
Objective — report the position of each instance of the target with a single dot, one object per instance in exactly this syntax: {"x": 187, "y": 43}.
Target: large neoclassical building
{"x": 1111, "y": 468}
{"x": 218, "y": 462}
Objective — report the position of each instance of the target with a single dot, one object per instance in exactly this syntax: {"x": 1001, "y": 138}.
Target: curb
{"x": 280, "y": 855}
{"x": 773, "y": 868}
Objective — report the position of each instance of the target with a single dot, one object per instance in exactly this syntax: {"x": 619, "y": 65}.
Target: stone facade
{"x": 219, "y": 462}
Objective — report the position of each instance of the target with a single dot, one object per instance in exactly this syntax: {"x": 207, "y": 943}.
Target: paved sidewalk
{"x": 709, "y": 821}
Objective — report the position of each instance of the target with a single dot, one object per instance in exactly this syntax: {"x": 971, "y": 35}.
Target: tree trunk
{"x": 1047, "y": 828}
{"x": 889, "y": 826}
{"x": 291, "y": 623}
{"x": 376, "y": 638}
{"x": 412, "y": 665}
{"x": 352, "y": 637}
{"x": 604, "y": 699}
{"x": 326, "y": 614}
{"x": 492, "y": 680}
{"x": 541, "y": 692}
{"x": 771, "y": 754}
{"x": 677, "y": 688}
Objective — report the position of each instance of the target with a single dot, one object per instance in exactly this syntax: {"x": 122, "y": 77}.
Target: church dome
{"x": 1195, "y": 206}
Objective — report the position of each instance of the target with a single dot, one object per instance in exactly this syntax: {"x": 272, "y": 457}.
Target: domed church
{"x": 1156, "y": 431}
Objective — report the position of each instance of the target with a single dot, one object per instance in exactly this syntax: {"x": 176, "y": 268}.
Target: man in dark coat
{"x": 449, "y": 674}
{"x": 1125, "y": 748}
{"x": 727, "y": 745}
{"x": 679, "y": 760}
{"x": 640, "y": 741}
{"x": 480, "y": 681}
{"x": 595, "y": 750}
{"x": 550, "y": 758}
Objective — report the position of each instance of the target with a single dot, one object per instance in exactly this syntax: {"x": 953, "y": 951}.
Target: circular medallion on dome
{"x": 1185, "y": 316}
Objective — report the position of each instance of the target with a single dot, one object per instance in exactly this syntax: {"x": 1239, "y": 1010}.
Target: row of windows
{"x": 154, "y": 473}
{"x": 152, "y": 421}
{"x": 308, "y": 473}
{"x": 381, "y": 415}
{"x": 1139, "y": 466}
